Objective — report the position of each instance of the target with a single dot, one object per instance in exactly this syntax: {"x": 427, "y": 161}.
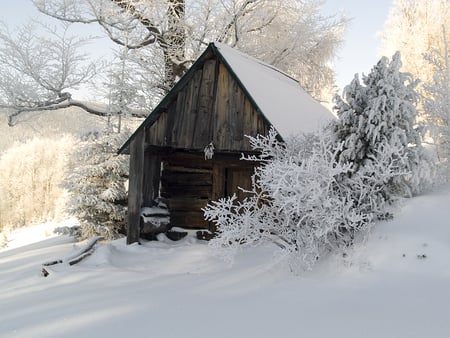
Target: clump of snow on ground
{"x": 396, "y": 284}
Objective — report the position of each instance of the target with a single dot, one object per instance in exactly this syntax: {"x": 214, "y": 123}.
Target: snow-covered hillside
{"x": 395, "y": 285}
{"x": 71, "y": 121}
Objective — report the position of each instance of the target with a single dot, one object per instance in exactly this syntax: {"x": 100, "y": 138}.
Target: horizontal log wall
{"x": 189, "y": 183}
{"x": 187, "y": 187}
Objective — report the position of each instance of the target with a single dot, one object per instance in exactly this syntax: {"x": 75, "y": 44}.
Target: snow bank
{"x": 395, "y": 285}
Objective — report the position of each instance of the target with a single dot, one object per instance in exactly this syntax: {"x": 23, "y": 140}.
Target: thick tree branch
{"x": 148, "y": 40}
{"x": 56, "y": 105}
{"x": 136, "y": 14}
{"x": 233, "y": 22}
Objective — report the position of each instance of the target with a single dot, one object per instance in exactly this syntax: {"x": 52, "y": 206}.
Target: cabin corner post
{"x": 135, "y": 187}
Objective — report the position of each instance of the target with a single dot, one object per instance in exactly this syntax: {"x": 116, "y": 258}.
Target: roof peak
{"x": 220, "y": 46}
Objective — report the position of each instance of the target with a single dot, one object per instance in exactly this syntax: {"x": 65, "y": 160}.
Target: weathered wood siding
{"x": 208, "y": 107}
{"x": 189, "y": 182}
{"x": 135, "y": 188}
{"x": 211, "y": 107}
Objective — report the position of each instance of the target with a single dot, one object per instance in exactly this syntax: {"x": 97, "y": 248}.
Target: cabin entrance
{"x": 189, "y": 183}
{"x": 238, "y": 178}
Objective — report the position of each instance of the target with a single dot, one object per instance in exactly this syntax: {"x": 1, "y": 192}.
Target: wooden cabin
{"x": 223, "y": 97}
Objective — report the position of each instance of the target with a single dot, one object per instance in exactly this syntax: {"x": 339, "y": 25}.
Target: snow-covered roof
{"x": 282, "y": 101}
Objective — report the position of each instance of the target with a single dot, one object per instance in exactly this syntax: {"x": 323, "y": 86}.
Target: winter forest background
{"x": 313, "y": 195}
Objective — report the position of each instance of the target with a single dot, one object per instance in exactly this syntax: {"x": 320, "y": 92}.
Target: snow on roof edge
{"x": 283, "y": 101}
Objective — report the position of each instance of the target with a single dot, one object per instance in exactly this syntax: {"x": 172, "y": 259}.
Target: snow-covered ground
{"x": 395, "y": 285}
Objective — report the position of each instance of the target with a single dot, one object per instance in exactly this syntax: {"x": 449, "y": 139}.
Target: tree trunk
{"x": 174, "y": 43}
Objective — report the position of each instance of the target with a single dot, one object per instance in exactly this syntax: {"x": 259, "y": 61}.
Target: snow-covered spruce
{"x": 377, "y": 126}
{"x": 97, "y": 185}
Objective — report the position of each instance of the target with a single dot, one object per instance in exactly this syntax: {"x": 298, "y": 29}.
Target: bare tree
{"x": 40, "y": 68}
{"x": 169, "y": 34}
{"x": 414, "y": 28}
{"x": 437, "y": 101}
{"x": 160, "y": 39}
{"x": 132, "y": 24}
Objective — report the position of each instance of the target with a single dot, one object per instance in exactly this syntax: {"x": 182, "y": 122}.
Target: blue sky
{"x": 358, "y": 55}
{"x": 360, "y": 51}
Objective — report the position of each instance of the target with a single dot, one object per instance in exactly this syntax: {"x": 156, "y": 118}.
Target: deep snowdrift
{"x": 395, "y": 285}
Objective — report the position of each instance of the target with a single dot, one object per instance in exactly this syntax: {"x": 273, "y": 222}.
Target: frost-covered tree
{"x": 414, "y": 28}
{"x": 165, "y": 36}
{"x": 40, "y": 65}
{"x": 437, "y": 100}
{"x": 125, "y": 95}
{"x": 377, "y": 126}
{"x": 98, "y": 196}
{"x": 312, "y": 195}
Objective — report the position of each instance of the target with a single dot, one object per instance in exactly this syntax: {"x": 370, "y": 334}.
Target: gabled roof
{"x": 279, "y": 97}
{"x": 281, "y": 101}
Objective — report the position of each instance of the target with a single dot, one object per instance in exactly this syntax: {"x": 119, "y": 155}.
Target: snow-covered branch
{"x": 437, "y": 100}
{"x": 38, "y": 71}
{"x": 291, "y": 34}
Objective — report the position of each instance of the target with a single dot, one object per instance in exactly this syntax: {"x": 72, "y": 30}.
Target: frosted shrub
{"x": 302, "y": 200}
{"x": 96, "y": 185}
{"x": 30, "y": 181}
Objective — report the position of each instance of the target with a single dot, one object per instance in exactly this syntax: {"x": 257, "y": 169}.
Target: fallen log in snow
{"x": 57, "y": 261}
{"x": 81, "y": 257}
{"x": 76, "y": 257}
{"x": 85, "y": 249}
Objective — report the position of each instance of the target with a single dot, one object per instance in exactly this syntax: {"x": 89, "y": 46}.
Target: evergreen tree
{"x": 377, "y": 126}
{"x": 98, "y": 196}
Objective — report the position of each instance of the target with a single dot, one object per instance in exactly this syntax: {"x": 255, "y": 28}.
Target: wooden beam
{"x": 135, "y": 186}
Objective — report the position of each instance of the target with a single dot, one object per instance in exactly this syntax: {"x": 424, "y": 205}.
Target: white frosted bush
{"x": 302, "y": 200}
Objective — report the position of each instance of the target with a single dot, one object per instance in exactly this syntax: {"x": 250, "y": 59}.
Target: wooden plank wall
{"x": 210, "y": 107}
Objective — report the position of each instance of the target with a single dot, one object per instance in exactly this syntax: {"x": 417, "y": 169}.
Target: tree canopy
{"x": 155, "y": 43}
